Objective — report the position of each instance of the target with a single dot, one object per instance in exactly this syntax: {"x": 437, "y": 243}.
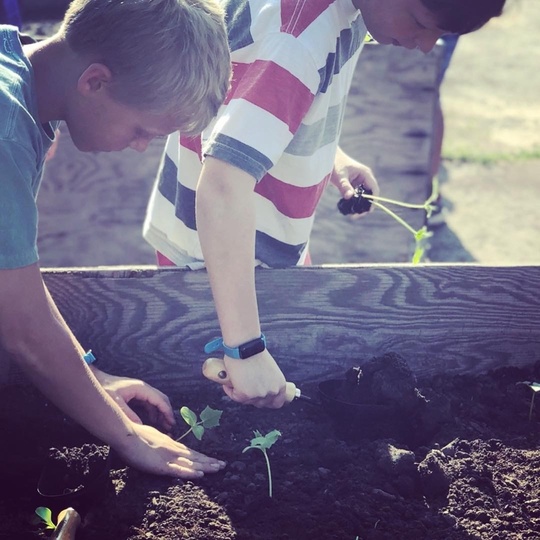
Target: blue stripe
{"x": 240, "y": 155}
{"x": 347, "y": 44}
{"x": 238, "y": 20}
{"x": 268, "y": 250}
{"x": 309, "y": 138}
{"x": 182, "y": 197}
{"x": 275, "y": 253}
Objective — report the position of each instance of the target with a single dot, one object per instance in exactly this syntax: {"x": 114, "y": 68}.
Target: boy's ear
{"x": 94, "y": 78}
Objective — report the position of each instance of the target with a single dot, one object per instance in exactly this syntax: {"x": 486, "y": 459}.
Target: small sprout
{"x": 263, "y": 443}
{"x": 535, "y": 387}
{"x": 209, "y": 419}
{"x": 45, "y": 515}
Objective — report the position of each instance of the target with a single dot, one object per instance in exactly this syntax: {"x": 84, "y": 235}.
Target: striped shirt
{"x": 293, "y": 62}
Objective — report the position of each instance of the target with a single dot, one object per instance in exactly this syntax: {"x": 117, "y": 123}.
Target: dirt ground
{"x": 461, "y": 464}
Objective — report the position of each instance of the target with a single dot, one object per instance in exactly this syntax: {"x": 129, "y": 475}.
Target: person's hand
{"x": 123, "y": 389}
{"x": 348, "y": 174}
{"x": 256, "y": 381}
{"x": 151, "y": 451}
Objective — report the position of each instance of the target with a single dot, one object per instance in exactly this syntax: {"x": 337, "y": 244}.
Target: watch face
{"x": 251, "y": 348}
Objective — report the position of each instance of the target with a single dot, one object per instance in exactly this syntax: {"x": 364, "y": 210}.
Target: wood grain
{"x": 153, "y": 323}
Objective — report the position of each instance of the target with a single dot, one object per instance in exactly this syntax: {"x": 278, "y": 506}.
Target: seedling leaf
{"x": 45, "y": 515}
{"x": 210, "y": 417}
{"x": 198, "y": 431}
{"x": 190, "y": 418}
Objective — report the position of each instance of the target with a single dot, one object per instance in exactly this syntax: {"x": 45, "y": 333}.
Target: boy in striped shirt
{"x": 245, "y": 192}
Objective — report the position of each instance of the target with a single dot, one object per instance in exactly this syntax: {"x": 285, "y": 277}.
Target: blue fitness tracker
{"x": 89, "y": 357}
{"x": 246, "y": 350}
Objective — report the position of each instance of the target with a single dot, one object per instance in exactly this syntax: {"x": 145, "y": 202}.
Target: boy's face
{"x": 106, "y": 125}
{"x": 404, "y": 23}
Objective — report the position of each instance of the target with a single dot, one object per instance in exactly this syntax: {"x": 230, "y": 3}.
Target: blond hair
{"x": 166, "y": 56}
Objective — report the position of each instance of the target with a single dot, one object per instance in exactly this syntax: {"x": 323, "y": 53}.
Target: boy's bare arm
{"x": 41, "y": 343}
{"x": 226, "y": 227}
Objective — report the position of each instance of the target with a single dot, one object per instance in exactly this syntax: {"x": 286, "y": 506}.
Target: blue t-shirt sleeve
{"x": 18, "y": 210}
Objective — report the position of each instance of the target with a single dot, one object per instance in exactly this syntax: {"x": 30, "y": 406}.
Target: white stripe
{"x": 297, "y": 59}
{"x": 275, "y": 224}
{"x": 305, "y": 171}
{"x": 160, "y": 218}
{"x": 270, "y": 136}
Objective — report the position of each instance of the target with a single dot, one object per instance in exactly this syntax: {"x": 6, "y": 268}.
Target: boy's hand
{"x": 349, "y": 174}
{"x": 151, "y": 451}
{"x": 123, "y": 390}
{"x": 256, "y": 381}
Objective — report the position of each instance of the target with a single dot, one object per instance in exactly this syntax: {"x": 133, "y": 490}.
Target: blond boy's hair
{"x": 166, "y": 56}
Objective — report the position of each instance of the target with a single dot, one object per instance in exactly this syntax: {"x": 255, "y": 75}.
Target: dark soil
{"x": 470, "y": 473}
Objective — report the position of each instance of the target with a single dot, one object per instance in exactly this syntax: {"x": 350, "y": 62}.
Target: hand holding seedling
{"x": 263, "y": 443}
{"x": 363, "y": 199}
{"x": 209, "y": 419}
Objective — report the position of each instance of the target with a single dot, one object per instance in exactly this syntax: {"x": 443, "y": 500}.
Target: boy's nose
{"x": 425, "y": 44}
{"x": 427, "y": 41}
{"x": 140, "y": 145}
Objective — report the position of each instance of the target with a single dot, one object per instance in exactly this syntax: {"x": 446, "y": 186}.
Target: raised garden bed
{"x": 474, "y": 477}
{"x": 466, "y": 470}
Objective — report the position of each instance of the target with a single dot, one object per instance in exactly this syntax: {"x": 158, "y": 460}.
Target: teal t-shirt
{"x": 24, "y": 142}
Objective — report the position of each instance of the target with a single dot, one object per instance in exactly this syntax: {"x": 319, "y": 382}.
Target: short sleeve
{"x": 18, "y": 210}
{"x": 268, "y": 99}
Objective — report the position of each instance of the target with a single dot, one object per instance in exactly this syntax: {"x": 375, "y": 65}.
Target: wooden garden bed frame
{"x": 152, "y": 323}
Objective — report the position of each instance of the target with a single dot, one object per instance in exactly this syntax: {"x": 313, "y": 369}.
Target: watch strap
{"x": 246, "y": 350}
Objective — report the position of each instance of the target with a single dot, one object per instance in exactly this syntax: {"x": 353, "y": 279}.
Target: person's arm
{"x": 226, "y": 227}
{"x": 37, "y": 338}
{"x": 123, "y": 389}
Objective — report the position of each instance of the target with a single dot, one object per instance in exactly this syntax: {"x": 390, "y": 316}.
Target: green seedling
{"x": 535, "y": 387}
{"x": 419, "y": 235}
{"x": 263, "y": 443}
{"x": 209, "y": 419}
{"x": 428, "y": 206}
{"x": 45, "y": 515}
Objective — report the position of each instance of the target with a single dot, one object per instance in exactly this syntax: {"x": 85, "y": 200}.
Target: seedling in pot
{"x": 209, "y": 419}
{"x": 263, "y": 443}
{"x": 535, "y": 387}
{"x": 363, "y": 199}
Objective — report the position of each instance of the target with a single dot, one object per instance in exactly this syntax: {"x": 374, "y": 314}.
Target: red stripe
{"x": 292, "y": 201}
{"x": 272, "y": 88}
{"x": 297, "y": 15}
{"x": 192, "y": 143}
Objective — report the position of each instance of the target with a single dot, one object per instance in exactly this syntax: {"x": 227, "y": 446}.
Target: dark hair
{"x": 464, "y": 16}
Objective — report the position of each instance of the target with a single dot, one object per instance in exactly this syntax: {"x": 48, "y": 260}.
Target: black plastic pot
{"x": 77, "y": 482}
